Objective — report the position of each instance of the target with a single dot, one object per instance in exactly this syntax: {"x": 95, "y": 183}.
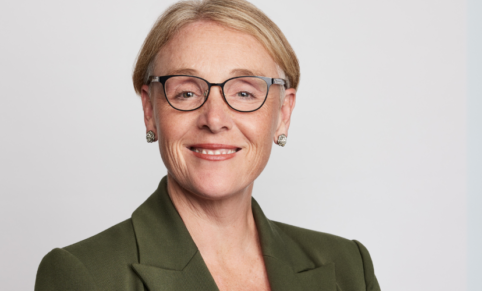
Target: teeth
{"x": 214, "y": 152}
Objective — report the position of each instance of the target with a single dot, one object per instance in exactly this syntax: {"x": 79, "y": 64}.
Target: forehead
{"x": 215, "y": 52}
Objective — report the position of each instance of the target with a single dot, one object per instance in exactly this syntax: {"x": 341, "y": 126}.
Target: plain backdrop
{"x": 376, "y": 151}
{"x": 474, "y": 139}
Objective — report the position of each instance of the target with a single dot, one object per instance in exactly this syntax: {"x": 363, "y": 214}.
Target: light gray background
{"x": 376, "y": 152}
{"x": 474, "y": 144}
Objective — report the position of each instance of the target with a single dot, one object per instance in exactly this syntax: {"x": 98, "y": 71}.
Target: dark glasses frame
{"x": 269, "y": 82}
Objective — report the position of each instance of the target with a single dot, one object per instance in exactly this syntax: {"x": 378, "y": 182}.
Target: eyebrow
{"x": 244, "y": 72}
{"x": 233, "y": 73}
{"x": 183, "y": 71}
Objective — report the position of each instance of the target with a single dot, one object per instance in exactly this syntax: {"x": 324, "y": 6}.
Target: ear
{"x": 285, "y": 113}
{"x": 148, "y": 108}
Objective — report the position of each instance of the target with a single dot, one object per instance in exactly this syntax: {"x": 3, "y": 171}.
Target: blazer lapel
{"x": 288, "y": 266}
{"x": 195, "y": 276}
{"x": 170, "y": 260}
{"x": 168, "y": 257}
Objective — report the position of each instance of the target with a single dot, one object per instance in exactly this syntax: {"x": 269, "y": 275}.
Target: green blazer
{"x": 154, "y": 251}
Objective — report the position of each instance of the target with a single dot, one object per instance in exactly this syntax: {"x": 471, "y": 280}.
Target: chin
{"x": 214, "y": 186}
{"x": 212, "y": 180}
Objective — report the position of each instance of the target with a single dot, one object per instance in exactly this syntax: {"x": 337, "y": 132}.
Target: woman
{"x": 218, "y": 84}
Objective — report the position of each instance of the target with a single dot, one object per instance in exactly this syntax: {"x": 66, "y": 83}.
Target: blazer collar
{"x": 170, "y": 260}
{"x": 288, "y": 266}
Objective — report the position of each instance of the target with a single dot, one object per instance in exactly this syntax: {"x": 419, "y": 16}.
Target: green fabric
{"x": 154, "y": 251}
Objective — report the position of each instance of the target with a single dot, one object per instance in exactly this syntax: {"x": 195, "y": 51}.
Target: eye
{"x": 187, "y": 94}
{"x": 244, "y": 94}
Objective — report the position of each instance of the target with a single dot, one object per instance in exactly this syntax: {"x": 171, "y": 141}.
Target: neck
{"x": 219, "y": 227}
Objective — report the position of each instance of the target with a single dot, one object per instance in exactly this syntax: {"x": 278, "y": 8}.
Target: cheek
{"x": 171, "y": 129}
{"x": 171, "y": 124}
{"x": 259, "y": 128}
{"x": 266, "y": 121}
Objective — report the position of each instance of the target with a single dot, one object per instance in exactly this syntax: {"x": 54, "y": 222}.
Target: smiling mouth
{"x": 214, "y": 152}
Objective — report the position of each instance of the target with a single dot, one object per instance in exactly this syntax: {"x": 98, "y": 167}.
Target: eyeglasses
{"x": 244, "y": 94}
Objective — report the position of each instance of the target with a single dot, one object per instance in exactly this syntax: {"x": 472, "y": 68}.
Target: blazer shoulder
{"x": 60, "y": 270}
{"x": 107, "y": 258}
{"x": 352, "y": 260}
{"x": 118, "y": 240}
{"x": 314, "y": 240}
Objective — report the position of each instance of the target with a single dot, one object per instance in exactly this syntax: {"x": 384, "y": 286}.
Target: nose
{"x": 215, "y": 114}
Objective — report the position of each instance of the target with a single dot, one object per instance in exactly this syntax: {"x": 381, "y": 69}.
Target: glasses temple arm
{"x": 282, "y": 82}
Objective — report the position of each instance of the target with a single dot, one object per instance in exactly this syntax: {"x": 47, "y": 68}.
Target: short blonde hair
{"x": 236, "y": 14}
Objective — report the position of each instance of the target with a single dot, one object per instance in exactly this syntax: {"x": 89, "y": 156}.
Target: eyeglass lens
{"x": 243, "y": 94}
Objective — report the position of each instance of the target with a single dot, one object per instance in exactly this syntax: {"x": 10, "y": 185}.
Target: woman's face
{"x": 197, "y": 146}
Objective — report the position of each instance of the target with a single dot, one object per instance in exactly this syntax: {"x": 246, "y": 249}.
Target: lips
{"x": 214, "y": 152}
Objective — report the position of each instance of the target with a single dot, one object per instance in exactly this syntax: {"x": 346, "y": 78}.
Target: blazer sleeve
{"x": 370, "y": 278}
{"x": 60, "y": 270}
